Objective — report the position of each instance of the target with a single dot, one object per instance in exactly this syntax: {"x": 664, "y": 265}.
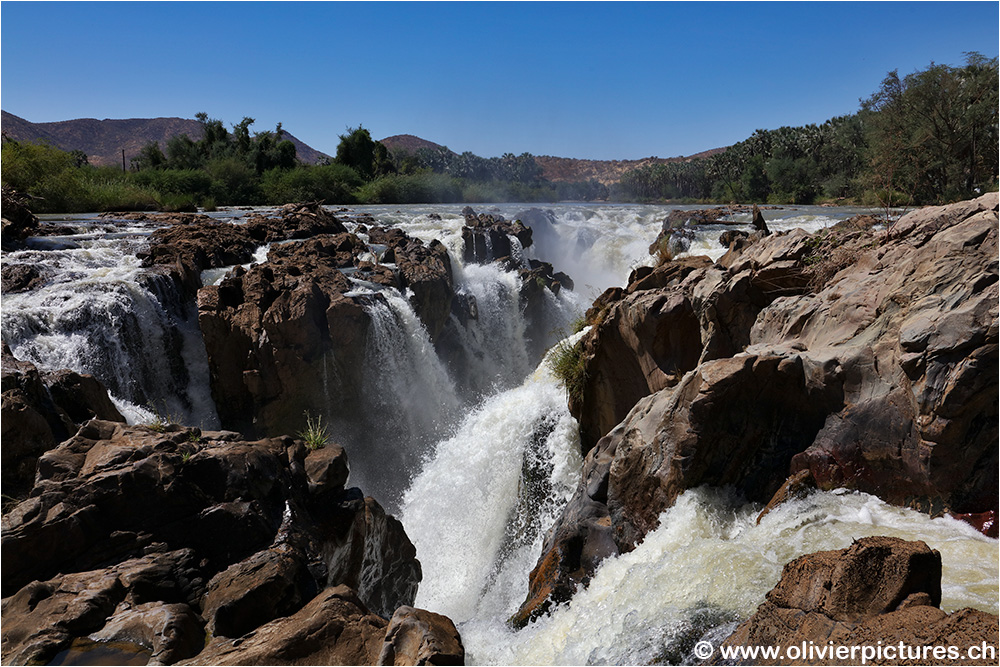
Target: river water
{"x": 491, "y": 452}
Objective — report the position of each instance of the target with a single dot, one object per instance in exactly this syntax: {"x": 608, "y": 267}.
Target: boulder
{"x": 277, "y": 333}
{"x": 21, "y": 277}
{"x": 18, "y": 222}
{"x": 419, "y": 637}
{"x": 879, "y": 593}
{"x": 486, "y": 237}
{"x": 867, "y": 358}
{"x": 334, "y": 628}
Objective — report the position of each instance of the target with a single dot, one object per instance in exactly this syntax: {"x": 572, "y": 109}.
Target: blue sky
{"x": 587, "y": 80}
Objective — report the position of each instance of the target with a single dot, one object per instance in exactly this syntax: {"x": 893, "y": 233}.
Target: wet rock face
{"x": 164, "y": 535}
{"x": 878, "y": 592}
{"x": 487, "y": 236}
{"x": 866, "y": 359}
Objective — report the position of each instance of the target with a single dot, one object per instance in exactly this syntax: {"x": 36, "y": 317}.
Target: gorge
{"x": 619, "y": 525}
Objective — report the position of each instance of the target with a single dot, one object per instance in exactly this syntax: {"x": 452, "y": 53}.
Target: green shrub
{"x": 333, "y": 184}
{"x": 411, "y": 189}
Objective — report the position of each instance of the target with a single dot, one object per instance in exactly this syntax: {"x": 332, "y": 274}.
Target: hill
{"x": 104, "y": 140}
{"x": 564, "y": 169}
{"x": 408, "y": 143}
{"x": 557, "y": 169}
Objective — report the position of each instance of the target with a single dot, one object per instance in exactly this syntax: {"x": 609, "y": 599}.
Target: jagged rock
{"x": 879, "y": 592}
{"x": 294, "y": 221}
{"x": 424, "y": 269}
{"x": 124, "y": 514}
{"x": 798, "y": 485}
{"x": 275, "y": 333}
{"x": 43, "y": 617}
{"x": 419, "y": 637}
{"x": 247, "y": 594}
{"x": 639, "y": 345}
{"x": 758, "y": 221}
{"x": 880, "y": 377}
{"x": 39, "y": 411}
{"x": 487, "y": 236}
{"x": 327, "y": 469}
{"x": 334, "y": 628}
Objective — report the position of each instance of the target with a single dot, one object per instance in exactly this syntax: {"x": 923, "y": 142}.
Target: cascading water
{"x": 477, "y": 511}
{"x": 100, "y": 313}
{"x": 486, "y": 458}
{"x": 708, "y": 565}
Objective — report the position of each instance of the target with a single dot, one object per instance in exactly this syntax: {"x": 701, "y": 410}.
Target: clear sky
{"x": 587, "y": 80}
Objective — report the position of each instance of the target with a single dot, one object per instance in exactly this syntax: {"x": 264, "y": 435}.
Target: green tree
{"x": 363, "y": 154}
{"x": 933, "y": 133}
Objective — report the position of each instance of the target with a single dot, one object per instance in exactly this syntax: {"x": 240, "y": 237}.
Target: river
{"x": 489, "y": 451}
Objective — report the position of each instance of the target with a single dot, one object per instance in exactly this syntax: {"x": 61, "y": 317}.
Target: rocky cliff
{"x": 866, "y": 358}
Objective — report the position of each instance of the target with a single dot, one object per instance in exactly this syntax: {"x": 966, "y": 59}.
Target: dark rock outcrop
{"x": 41, "y": 409}
{"x": 275, "y": 333}
{"x": 21, "y": 277}
{"x": 334, "y": 628}
{"x": 877, "y": 594}
{"x": 130, "y": 531}
{"x": 487, "y": 236}
{"x": 867, "y": 358}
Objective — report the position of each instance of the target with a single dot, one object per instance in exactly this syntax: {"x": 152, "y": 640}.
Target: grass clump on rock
{"x": 315, "y": 433}
{"x": 569, "y": 365}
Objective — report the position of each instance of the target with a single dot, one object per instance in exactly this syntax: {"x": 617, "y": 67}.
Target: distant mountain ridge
{"x": 557, "y": 169}
{"x": 103, "y": 140}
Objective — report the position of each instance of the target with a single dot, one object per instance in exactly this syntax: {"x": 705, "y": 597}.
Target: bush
{"x": 412, "y": 189}
{"x": 333, "y": 184}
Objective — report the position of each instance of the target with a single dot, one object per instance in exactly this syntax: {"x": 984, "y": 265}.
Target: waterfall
{"x": 100, "y": 313}
{"x": 706, "y": 567}
{"x": 477, "y": 511}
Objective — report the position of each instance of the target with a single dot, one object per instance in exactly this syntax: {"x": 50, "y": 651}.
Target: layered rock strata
{"x": 867, "y": 358}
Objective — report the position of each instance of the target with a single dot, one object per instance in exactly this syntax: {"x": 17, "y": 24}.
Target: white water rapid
{"x": 487, "y": 449}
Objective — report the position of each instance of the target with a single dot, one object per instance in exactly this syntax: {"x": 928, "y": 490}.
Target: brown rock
{"x": 419, "y": 637}
{"x": 39, "y": 411}
{"x": 881, "y": 591}
{"x": 796, "y": 486}
{"x": 273, "y": 582}
{"x": 171, "y": 632}
{"x": 334, "y": 628}
{"x": 881, "y": 379}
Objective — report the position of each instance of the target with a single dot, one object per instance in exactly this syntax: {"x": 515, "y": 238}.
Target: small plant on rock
{"x": 569, "y": 364}
{"x": 315, "y": 433}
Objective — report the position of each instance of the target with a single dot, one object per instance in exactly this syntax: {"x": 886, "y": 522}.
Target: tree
{"x": 363, "y": 154}
{"x": 933, "y": 133}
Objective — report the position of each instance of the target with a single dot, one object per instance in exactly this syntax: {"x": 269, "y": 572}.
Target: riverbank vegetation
{"x": 927, "y": 137}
